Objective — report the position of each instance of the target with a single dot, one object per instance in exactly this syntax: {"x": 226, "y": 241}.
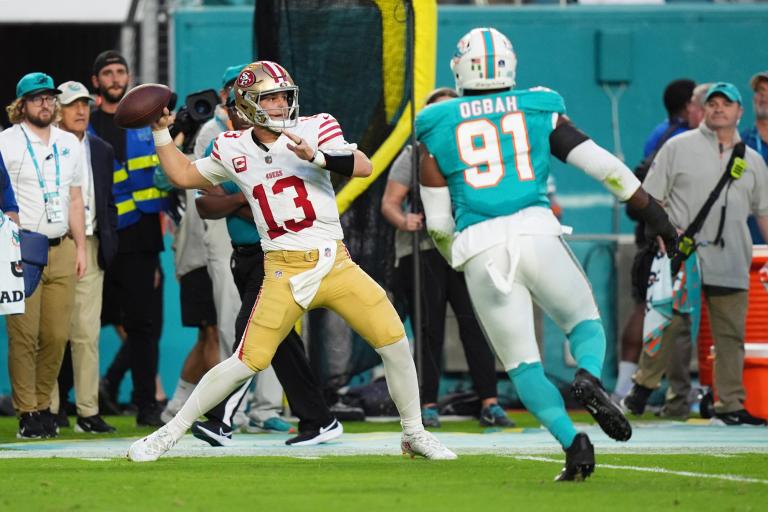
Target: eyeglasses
{"x": 39, "y": 99}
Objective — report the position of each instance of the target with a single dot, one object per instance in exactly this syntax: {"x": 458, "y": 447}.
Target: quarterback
{"x": 483, "y": 185}
{"x": 282, "y": 165}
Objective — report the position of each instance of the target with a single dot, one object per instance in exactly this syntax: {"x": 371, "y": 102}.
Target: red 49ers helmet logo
{"x": 246, "y": 78}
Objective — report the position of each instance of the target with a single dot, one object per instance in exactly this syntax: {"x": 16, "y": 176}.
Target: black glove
{"x": 657, "y": 224}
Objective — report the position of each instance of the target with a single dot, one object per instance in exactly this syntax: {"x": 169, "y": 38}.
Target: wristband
{"x": 162, "y": 137}
{"x": 318, "y": 159}
{"x": 340, "y": 161}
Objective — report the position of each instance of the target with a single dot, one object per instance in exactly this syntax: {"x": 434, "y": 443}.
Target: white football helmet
{"x": 484, "y": 59}
{"x": 260, "y": 79}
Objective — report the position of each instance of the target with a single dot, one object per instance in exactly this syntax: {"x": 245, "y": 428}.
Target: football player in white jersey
{"x": 285, "y": 176}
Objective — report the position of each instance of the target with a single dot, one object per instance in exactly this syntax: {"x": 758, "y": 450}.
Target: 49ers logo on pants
{"x": 240, "y": 164}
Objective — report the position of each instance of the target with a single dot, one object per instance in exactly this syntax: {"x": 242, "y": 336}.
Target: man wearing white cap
{"x": 98, "y": 164}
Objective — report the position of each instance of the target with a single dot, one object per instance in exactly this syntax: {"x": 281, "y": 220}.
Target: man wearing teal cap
{"x": 682, "y": 176}
{"x": 45, "y": 168}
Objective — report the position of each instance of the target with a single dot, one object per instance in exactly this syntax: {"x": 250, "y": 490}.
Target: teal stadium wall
{"x": 556, "y": 47}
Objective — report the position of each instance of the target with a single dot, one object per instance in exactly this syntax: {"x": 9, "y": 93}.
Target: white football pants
{"x": 504, "y": 279}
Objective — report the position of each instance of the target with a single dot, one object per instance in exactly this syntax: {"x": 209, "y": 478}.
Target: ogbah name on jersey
{"x": 487, "y": 106}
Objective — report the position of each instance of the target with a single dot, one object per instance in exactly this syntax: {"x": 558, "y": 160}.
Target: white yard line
{"x": 731, "y": 478}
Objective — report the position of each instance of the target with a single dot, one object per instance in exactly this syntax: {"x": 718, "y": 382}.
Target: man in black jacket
{"x": 82, "y": 368}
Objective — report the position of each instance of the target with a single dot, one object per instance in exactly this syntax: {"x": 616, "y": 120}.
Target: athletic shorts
{"x": 346, "y": 290}
{"x": 196, "y": 293}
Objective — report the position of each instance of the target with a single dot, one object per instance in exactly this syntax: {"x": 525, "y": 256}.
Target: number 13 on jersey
{"x": 481, "y": 148}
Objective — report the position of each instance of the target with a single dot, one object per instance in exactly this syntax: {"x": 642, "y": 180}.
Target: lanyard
{"x": 40, "y": 179}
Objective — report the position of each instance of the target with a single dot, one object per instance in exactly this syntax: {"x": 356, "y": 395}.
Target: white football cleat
{"x": 425, "y": 444}
{"x": 150, "y": 448}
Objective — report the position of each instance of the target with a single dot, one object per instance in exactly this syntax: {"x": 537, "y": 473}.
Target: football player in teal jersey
{"x": 484, "y": 172}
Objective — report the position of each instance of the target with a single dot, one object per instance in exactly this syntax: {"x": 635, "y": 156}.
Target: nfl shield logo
{"x": 240, "y": 164}
{"x": 278, "y": 274}
{"x": 327, "y": 252}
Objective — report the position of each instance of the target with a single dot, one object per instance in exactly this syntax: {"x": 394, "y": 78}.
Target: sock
{"x": 215, "y": 385}
{"x": 587, "y": 341}
{"x": 624, "y": 382}
{"x": 403, "y": 384}
{"x": 183, "y": 390}
{"x": 543, "y": 400}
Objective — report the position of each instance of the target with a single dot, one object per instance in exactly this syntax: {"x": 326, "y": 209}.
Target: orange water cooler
{"x": 756, "y": 341}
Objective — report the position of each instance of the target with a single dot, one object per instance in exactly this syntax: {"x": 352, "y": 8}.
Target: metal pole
{"x": 414, "y": 202}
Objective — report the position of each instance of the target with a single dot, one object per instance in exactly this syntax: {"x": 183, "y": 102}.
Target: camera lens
{"x": 202, "y": 107}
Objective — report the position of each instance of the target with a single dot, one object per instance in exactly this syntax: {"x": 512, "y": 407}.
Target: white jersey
{"x": 292, "y": 200}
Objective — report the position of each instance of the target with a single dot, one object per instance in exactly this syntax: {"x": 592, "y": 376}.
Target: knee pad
{"x": 255, "y": 357}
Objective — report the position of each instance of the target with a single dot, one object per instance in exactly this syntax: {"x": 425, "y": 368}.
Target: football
{"x": 142, "y": 105}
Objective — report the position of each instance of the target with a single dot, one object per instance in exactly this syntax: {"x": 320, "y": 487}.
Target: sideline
{"x": 730, "y": 478}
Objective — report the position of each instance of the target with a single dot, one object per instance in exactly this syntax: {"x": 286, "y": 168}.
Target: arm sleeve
{"x": 8, "y": 197}
{"x": 439, "y": 216}
{"x": 604, "y": 167}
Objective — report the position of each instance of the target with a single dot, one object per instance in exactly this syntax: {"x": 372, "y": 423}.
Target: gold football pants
{"x": 346, "y": 289}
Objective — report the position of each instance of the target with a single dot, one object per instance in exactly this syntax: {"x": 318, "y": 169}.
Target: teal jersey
{"x": 493, "y": 150}
{"x": 241, "y": 231}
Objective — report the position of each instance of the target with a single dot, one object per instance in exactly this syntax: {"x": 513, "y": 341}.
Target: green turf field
{"x": 366, "y": 483}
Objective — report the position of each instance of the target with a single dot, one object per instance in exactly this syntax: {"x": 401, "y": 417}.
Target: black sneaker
{"x": 62, "y": 420}
{"x": 29, "y": 426}
{"x": 495, "y": 416}
{"x": 93, "y": 424}
{"x": 213, "y": 432}
{"x": 589, "y": 391}
{"x": 636, "y": 400}
{"x": 311, "y": 437}
{"x": 48, "y": 421}
{"x": 579, "y": 460}
{"x": 149, "y": 416}
{"x": 740, "y": 417}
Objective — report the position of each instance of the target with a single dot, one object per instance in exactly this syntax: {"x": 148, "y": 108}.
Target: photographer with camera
{"x": 220, "y": 121}
{"x": 134, "y": 276}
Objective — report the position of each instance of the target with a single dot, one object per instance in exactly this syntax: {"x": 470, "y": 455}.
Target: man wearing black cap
{"x": 132, "y": 278}
{"x": 45, "y": 168}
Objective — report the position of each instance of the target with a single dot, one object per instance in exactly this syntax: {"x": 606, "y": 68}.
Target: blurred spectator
{"x": 81, "y": 362}
{"x": 677, "y": 98}
{"x": 44, "y": 164}
{"x": 8, "y": 203}
{"x": 682, "y": 176}
{"x": 756, "y": 137}
{"x": 683, "y": 111}
{"x": 441, "y": 285}
{"x": 133, "y": 276}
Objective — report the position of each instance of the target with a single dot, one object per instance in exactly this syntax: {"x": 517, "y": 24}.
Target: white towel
{"x": 304, "y": 286}
{"x": 658, "y": 303}
{"x": 503, "y": 283}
